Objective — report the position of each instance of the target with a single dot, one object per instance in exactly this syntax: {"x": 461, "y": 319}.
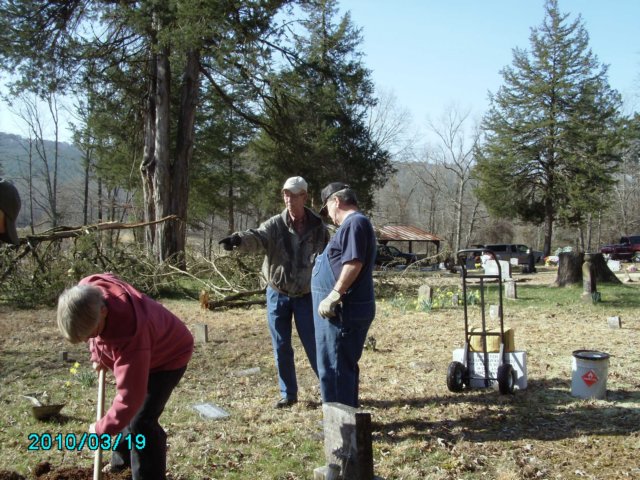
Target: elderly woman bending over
{"x": 146, "y": 346}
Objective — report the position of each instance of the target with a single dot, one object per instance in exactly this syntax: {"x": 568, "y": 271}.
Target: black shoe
{"x": 285, "y": 402}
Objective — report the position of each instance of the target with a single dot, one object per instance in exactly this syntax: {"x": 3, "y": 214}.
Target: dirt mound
{"x": 44, "y": 471}
{"x": 6, "y": 475}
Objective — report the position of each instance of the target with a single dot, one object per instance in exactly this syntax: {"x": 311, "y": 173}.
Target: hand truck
{"x": 459, "y": 375}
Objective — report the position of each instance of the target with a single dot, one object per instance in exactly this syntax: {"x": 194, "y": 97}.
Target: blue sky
{"x": 433, "y": 54}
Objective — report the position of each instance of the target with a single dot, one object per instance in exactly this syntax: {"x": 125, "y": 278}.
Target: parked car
{"x": 507, "y": 251}
{"x": 627, "y": 249}
{"x": 389, "y": 253}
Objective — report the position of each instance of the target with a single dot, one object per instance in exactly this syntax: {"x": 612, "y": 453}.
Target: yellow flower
{"x": 73, "y": 370}
{"x": 76, "y": 365}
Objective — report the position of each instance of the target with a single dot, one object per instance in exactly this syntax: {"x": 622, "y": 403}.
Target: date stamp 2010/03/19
{"x": 90, "y": 441}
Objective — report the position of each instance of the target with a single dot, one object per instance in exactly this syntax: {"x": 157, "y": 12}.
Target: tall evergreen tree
{"x": 316, "y": 114}
{"x": 550, "y": 135}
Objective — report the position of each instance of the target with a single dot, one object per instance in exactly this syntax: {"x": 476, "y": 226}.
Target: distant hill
{"x": 14, "y": 157}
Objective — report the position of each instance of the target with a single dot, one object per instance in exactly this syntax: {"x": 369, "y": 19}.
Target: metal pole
{"x": 97, "y": 462}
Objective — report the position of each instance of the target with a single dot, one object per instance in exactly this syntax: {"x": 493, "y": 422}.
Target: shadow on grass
{"x": 546, "y": 410}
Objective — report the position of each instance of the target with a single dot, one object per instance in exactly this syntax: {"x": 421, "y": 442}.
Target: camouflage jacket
{"x": 289, "y": 257}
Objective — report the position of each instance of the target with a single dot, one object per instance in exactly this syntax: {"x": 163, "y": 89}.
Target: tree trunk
{"x": 184, "y": 152}
{"x": 570, "y": 269}
{"x": 165, "y": 177}
{"x": 148, "y": 164}
{"x": 602, "y": 271}
{"x": 548, "y": 228}
{"x": 162, "y": 179}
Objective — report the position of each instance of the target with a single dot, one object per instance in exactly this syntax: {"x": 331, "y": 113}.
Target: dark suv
{"x": 389, "y": 253}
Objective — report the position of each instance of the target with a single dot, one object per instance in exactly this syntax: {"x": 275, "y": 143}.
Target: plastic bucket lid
{"x": 590, "y": 355}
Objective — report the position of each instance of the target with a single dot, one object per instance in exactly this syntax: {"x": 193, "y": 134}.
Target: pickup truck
{"x": 627, "y": 249}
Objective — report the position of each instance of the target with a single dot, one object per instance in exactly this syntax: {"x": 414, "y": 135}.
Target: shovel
{"x": 97, "y": 462}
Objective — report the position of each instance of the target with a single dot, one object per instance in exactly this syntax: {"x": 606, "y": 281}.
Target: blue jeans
{"x": 281, "y": 309}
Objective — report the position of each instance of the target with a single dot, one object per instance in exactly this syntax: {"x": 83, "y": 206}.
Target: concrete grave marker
{"x": 209, "y": 410}
{"x": 510, "y": 289}
{"x": 614, "y": 322}
{"x": 589, "y": 288}
{"x": 614, "y": 265}
{"x": 347, "y": 443}
{"x": 202, "y": 333}
{"x": 491, "y": 268}
{"x": 425, "y": 294}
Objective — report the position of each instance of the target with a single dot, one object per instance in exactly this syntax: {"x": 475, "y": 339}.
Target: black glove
{"x": 231, "y": 241}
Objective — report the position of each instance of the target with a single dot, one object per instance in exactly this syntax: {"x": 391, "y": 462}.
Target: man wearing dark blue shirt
{"x": 343, "y": 296}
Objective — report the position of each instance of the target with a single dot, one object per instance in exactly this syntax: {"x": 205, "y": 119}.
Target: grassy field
{"x": 421, "y": 430}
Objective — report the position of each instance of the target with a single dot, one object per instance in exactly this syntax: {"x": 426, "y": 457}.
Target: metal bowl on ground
{"x": 43, "y": 412}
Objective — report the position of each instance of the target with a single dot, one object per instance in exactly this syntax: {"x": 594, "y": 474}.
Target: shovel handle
{"x": 97, "y": 461}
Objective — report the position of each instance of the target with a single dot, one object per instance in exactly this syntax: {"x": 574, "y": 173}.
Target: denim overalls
{"x": 340, "y": 340}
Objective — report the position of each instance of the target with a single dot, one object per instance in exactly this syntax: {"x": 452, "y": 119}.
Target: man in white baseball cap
{"x": 9, "y": 209}
{"x": 290, "y": 242}
{"x": 295, "y": 185}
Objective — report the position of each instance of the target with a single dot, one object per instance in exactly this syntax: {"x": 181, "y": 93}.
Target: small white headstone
{"x": 614, "y": 265}
{"x": 425, "y": 294}
{"x": 491, "y": 268}
{"x": 614, "y": 322}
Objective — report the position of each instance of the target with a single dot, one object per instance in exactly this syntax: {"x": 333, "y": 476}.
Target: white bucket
{"x": 589, "y": 374}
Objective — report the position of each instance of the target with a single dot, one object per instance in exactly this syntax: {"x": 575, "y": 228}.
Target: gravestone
{"x": 589, "y": 289}
{"x": 202, "y": 333}
{"x": 347, "y": 443}
{"x": 470, "y": 263}
{"x": 491, "y": 268}
{"x": 455, "y": 300}
{"x": 614, "y": 322}
{"x": 494, "y": 311}
{"x": 425, "y": 294}
{"x": 510, "y": 289}
{"x": 614, "y": 265}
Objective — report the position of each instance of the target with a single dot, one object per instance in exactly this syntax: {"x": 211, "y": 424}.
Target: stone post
{"x": 588, "y": 279}
{"x": 347, "y": 443}
{"x": 202, "y": 333}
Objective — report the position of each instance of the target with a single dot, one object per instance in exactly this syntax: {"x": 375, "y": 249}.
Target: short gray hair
{"x": 79, "y": 312}
{"x": 347, "y": 195}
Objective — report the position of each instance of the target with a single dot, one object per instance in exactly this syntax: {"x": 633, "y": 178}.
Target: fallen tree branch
{"x": 230, "y": 300}
{"x": 69, "y": 232}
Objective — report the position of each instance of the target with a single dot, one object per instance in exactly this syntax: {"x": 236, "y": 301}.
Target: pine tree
{"x": 315, "y": 115}
{"x": 550, "y": 135}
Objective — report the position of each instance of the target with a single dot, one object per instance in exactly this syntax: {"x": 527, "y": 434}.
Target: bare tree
{"x": 453, "y": 151}
{"x": 391, "y": 126}
{"x": 42, "y": 176}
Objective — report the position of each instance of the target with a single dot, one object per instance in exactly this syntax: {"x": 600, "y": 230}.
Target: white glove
{"x": 327, "y": 307}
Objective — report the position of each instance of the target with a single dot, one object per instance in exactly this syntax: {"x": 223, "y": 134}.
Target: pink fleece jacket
{"x": 140, "y": 337}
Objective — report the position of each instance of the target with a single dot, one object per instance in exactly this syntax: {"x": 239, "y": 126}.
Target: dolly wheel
{"x": 456, "y": 376}
{"x": 506, "y": 378}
